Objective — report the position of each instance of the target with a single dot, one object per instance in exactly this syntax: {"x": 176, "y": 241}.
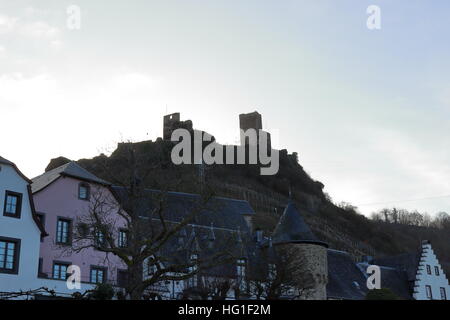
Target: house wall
{"x": 60, "y": 199}
{"x": 423, "y": 278}
{"x": 24, "y": 229}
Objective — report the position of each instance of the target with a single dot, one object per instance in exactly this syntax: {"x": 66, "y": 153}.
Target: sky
{"x": 366, "y": 110}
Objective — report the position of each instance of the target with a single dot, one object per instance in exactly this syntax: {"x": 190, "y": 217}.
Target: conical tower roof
{"x": 292, "y": 228}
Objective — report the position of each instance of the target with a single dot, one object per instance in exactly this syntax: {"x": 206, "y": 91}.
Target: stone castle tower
{"x": 172, "y": 122}
{"x": 253, "y": 120}
{"x": 309, "y": 261}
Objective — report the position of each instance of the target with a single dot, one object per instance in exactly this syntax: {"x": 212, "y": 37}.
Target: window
{"x": 436, "y": 270}
{"x": 99, "y": 239}
{"x": 63, "y": 229}
{"x": 60, "y": 270}
{"x": 241, "y": 274}
{"x": 13, "y": 204}
{"x": 429, "y": 292}
{"x": 150, "y": 267}
{"x": 123, "y": 238}
{"x": 443, "y": 294}
{"x": 83, "y": 191}
{"x": 9, "y": 255}
{"x": 193, "y": 280}
{"x": 40, "y": 264}
{"x": 272, "y": 272}
{"x": 428, "y": 269}
{"x": 98, "y": 275}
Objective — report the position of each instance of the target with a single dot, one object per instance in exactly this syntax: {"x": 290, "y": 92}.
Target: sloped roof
{"x": 220, "y": 217}
{"x": 345, "y": 279}
{"x": 292, "y": 228}
{"x": 407, "y": 262}
{"x": 397, "y": 282}
{"x": 71, "y": 169}
{"x": 12, "y": 164}
{"x": 220, "y": 212}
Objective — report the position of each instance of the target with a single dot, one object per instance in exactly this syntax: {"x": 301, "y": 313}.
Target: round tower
{"x": 306, "y": 256}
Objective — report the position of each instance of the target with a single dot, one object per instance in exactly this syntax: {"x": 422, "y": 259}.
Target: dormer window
{"x": 13, "y": 204}
{"x": 83, "y": 191}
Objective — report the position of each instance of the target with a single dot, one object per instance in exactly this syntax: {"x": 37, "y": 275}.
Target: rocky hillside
{"x": 341, "y": 226}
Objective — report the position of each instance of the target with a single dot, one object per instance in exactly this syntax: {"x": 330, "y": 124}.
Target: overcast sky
{"x": 367, "y": 110}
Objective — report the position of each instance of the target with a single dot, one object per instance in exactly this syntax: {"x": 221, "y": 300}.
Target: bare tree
{"x": 280, "y": 276}
{"x": 210, "y": 288}
{"x": 150, "y": 228}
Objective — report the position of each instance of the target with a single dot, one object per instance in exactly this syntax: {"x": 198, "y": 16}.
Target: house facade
{"x": 20, "y": 231}
{"x": 63, "y": 197}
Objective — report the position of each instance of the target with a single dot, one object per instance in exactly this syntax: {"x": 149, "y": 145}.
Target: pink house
{"x": 62, "y": 196}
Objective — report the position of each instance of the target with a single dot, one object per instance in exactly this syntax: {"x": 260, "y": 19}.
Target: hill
{"x": 339, "y": 225}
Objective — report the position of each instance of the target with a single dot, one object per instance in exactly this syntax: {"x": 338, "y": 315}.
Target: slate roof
{"x": 397, "y": 282}
{"x": 220, "y": 212}
{"x": 345, "y": 279}
{"x": 218, "y": 226}
{"x": 293, "y": 229}
{"x": 71, "y": 169}
{"x": 407, "y": 262}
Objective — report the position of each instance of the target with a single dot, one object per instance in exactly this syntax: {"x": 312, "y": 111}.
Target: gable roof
{"x": 292, "y": 228}
{"x": 71, "y": 169}
{"x": 12, "y": 164}
{"x": 345, "y": 279}
{"x": 5, "y": 161}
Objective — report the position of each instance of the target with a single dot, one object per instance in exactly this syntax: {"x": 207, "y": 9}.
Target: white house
{"x": 431, "y": 282}
{"x": 20, "y": 236}
{"x": 417, "y": 275}
{"x": 20, "y": 231}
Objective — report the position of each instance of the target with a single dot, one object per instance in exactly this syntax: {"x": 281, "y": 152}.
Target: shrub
{"x": 381, "y": 294}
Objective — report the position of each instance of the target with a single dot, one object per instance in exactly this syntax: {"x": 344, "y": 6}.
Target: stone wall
{"x": 309, "y": 267}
